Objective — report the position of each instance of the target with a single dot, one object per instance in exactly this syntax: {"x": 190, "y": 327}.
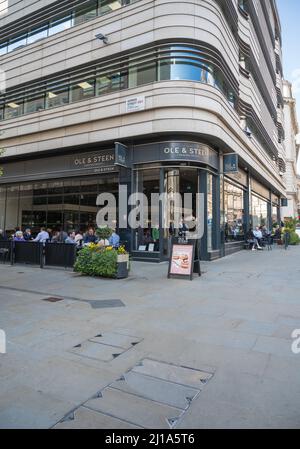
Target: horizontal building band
{"x": 58, "y": 16}
{"x": 158, "y": 63}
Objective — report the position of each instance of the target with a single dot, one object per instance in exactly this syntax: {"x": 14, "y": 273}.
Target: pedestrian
{"x": 42, "y": 236}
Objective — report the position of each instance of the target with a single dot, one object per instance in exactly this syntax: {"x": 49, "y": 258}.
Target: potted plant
{"x": 102, "y": 261}
{"x": 123, "y": 263}
{"x": 104, "y": 233}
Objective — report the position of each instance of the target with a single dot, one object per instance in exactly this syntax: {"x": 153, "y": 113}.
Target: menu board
{"x": 182, "y": 260}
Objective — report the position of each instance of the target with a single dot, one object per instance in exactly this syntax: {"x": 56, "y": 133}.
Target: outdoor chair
{"x": 3, "y": 254}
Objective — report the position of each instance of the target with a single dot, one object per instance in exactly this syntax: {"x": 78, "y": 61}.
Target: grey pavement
{"x": 151, "y": 352}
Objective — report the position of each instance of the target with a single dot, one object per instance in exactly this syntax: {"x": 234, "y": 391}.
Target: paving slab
{"x": 134, "y": 409}
{"x": 178, "y": 374}
{"x": 115, "y": 339}
{"x": 84, "y": 418}
{"x": 156, "y": 389}
{"x": 97, "y": 351}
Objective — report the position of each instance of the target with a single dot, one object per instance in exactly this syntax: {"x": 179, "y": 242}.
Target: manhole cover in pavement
{"x": 52, "y": 299}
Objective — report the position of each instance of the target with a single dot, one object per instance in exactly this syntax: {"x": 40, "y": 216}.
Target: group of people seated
{"x": 258, "y": 238}
{"x": 78, "y": 238}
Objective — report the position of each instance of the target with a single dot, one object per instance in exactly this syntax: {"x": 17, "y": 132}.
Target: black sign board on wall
{"x": 231, "y": 163}
{"x": 122, "y": 155}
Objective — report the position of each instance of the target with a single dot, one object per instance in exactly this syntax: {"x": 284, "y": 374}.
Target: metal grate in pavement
{"x": 52, "y": 299}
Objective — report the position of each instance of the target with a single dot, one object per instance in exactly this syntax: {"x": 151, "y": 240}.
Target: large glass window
{"x": 147, "y": 235}
{"x": 3, "y": 48}
{"x": 17, "y": 42}
{"x": 234, "y": 211}
{"x": 60, "y": 24}
{"x": 106, "y": 6}
{"x": 34, "y": 104}
{"x": 12, "y": 207}
{"x": 67, "y": 204}
{"x": 79, "y": 15}
{"x": 259, "y": 212}
{"x": 144, "y": 73}
{"x": 110, "y": 83}
{"x": 83, "y": 90}
{"x": 13, "y": 109}
{"x": 57, "y": 96}
{"x": 86, "y": 12}
{"x": 179, "y": 211}
{"x": 209, "y": 211}
{"x": 2, "y": 206}
{"x": 38, "y": 33}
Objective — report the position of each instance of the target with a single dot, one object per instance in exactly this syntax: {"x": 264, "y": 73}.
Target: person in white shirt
{"x": 42, "y": 236}
{"x": 258, "y": 235}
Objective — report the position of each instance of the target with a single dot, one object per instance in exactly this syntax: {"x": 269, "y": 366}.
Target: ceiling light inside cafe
{"x": 115, "y": 5}
{"x": 84, "y": 85}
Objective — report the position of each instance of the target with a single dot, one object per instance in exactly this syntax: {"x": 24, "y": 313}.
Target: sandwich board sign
{"x": 182, "y": 260}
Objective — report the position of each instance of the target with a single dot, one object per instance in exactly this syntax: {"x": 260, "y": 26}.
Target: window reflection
{"x": 85, "y": 13}
{"x": 83, "y": 90}
{"x": 60, "y": 24}
{"x": 234, "y": 211}
{"x": 68, "y": 204}
{"x": 57, "y": 96}
{"x": 259, "y": 211}
{"x": 13, "y": 109}
{"x": 17, "y": 42}
{"x": 37, "y": 33}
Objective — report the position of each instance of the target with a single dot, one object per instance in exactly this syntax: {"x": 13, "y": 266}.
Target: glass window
{"x": 11, "y": 213}
{"x": 17, "y": 42}
{"x": 37, "y": 33}
{"x": 83, "y": 90}
{"x": 274, "y": 215}
{"x": 57, "y": 96}
{"x": 259, "y": 212}
{"x": 34, "y": 104}
{"x": 234, "y": 211}
{"x": 60, "y": 24}
{"x": 2, "y": 206}
{"x": 110, "y": 83}
{"x": 13, "y": 109}
{"x": 25, "y": 206}
{"x": 106, "y": 6}
{"x": 1, "y": 112}
{"x": 144, "y": 73}
{"x": 147, "y": 235}
{"x": 209, "y": 211}
{"x": 85, "y": 13}
{"x": 3, "y": 48}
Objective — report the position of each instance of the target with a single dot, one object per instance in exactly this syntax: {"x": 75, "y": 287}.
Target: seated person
{"x": 114, "y": 240}
{"x": 258, "y": 236}
{"x": 90, "y": 237}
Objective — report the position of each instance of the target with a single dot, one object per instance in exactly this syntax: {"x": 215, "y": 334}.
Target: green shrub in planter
{"x": 294, "y": 238}
{"x": 94, "y": 260}
{"x": 104, "y": 233}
